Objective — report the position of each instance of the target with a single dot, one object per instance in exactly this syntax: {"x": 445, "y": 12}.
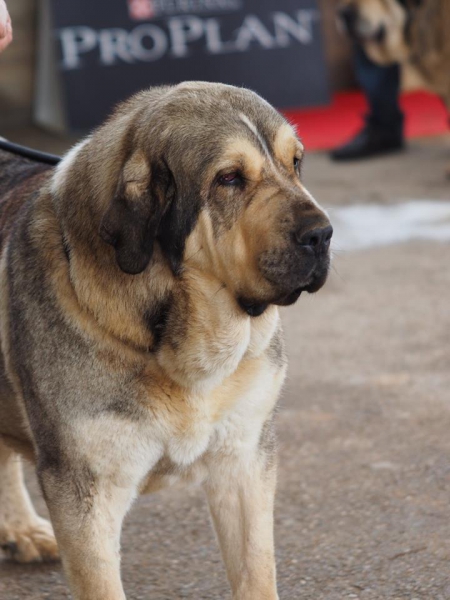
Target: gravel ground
{"x": 363, "y": 507}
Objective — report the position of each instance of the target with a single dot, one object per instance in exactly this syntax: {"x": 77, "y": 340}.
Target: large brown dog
{"x": 140, "y": 333}
{"x": 404, "y": 30}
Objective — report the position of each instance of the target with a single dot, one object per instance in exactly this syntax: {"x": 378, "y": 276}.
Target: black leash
{"x": 25, "y": 152}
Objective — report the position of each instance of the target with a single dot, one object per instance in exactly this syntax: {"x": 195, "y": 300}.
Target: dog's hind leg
{"x": 24, "y": 536}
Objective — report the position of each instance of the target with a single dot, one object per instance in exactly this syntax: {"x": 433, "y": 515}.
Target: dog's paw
{"x": 34, "y": 543}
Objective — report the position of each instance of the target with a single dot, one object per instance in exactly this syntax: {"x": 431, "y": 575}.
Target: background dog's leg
{"x": 87, "y": 514}
{"x": 241, "y": 497}
{"x": 24, "y": 536}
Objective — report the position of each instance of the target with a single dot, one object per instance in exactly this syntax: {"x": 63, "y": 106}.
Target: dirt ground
{"x": 363, "y": 506}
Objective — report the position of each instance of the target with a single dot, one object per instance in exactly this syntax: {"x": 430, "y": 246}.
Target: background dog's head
{"x": 205, "y": 177}
{"x": 381, "y": 26}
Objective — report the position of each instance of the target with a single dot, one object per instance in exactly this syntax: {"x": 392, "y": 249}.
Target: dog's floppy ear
{"x": 131, "y": 222}
{"x": 178, "y": 221}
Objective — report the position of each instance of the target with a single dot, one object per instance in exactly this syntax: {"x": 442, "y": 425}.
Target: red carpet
{"x": 327, "y": 127}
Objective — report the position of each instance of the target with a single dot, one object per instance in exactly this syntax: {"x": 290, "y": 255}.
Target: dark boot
{"x": 372, "y": 140}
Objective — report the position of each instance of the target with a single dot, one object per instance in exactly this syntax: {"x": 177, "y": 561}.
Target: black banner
{"x": 112, "y": 48}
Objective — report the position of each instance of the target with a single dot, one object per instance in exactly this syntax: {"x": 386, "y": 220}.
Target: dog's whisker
{"x": 336, "y": 272}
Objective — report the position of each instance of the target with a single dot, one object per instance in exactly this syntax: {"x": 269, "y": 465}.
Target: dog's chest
{"x": 225, "y": 422}
{"x": 179, "y": 426}
{"x": 231, "y": 394}
{"x": 230, "y": 415}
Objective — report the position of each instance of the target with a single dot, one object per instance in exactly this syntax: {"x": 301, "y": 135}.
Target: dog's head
{"x": 207, "y": 177}
{"x": 381, "y": 26}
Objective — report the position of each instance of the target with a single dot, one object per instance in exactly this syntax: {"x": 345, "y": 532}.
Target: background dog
{"x": 404, "y": 30}
{"x": 140, "y": 335}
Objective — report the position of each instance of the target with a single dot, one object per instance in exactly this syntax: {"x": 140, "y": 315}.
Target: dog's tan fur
{"x": 140, "y": 335}
{"x": 416, "y": 33}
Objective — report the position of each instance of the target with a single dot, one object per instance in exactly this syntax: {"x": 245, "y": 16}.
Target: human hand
{"x": 5, "y": 26}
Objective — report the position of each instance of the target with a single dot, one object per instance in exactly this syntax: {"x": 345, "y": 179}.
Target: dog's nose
{"x": 349, "y": 15}
{"x": 317, "y": 239}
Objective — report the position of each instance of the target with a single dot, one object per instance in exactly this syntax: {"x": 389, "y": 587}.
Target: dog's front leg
{"x": 241, "y": 493}
{"x": 87, "y": 514}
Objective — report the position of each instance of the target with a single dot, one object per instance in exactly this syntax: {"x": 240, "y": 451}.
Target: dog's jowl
{"x": 140, "y": 333}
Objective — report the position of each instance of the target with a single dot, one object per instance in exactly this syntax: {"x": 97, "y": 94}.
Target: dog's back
{"x": 19, "y": 179}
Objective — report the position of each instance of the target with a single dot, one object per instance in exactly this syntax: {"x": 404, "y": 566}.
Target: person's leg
{"x": 381, "y": 85}
{"x": 383, "y": 131}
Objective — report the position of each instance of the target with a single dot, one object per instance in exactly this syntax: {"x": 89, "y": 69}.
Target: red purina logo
{"x": 146, "y": 10}
{"x": 141, "y": 10}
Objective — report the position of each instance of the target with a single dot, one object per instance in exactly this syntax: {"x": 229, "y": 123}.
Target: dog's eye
{"x": 234, "y": 178}
{"x": 297, "y": 165}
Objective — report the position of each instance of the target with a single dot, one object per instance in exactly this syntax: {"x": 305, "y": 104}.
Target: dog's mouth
{"x": 291, "y": 298}
{"x": 317, "y": 282}
{"x": 254, "y": 308}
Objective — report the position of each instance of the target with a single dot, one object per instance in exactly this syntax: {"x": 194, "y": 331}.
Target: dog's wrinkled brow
{"x": 261, "y": 141}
